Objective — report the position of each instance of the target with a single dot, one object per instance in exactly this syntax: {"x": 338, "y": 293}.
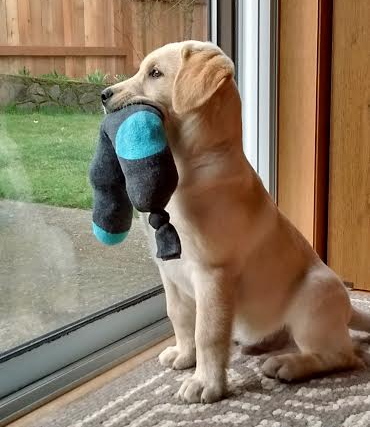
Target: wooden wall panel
{"x": 3, "y": 32}
{"x": 157, "y": 23}
{"x": 94, "y": 31}
{"x": 74, "y": 35}
{"x": 134, "y": 26}
{"x": 304, "y": 116}
{"x": 297, "y": 111}
{"x": 349, "y": 201}
{"x": 12, "y": 28}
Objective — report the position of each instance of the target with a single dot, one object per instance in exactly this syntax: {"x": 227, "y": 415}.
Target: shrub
{"x": 54, "y": 75}
{"x": 120, "y": 77}
{"x": 24, "y": 71}
{"x": 97, "y": 77}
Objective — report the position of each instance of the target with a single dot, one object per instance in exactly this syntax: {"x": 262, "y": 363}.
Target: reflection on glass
{"x": 52, "y": 270}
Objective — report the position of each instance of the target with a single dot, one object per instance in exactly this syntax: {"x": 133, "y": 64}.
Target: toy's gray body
{"x": 133, "y": 165}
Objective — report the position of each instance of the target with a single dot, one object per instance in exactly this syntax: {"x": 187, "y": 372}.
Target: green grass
{"x": 45, "y": 156}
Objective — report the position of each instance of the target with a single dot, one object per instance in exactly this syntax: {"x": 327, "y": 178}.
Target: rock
{"x": 49, "y": 104}
{"x": 68, "y": 98}
{"x": 6, "y": 95}
{"x": 54, "y": 92}
{"x": 36, "y": 92}
{"x": 10, "y": 93}
{"x": 88, "y": 97}
{"x": 38, "y": 98}
{"x": 30, "y": 93}
{"x": 92, "y": 108}
{"x": 26, "y": 106}
{"x": 36, "y": 89}
{"x": 20, "y": 91}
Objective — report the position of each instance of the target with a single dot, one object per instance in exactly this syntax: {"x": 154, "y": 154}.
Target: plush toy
{"x": 133, "y": 166}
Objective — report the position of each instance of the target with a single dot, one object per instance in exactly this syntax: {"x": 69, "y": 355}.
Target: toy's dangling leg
{"x": 112, "y": 209}
{"x": 168, "y": 241}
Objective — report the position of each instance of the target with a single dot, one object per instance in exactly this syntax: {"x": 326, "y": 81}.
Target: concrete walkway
{"x": 53, "y": 271}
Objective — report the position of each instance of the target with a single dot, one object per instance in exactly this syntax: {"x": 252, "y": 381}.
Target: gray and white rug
{"x": 145, "y": 398}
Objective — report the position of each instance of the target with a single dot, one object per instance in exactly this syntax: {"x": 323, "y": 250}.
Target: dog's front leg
{"x": 214, "y": 313}
{"x": 181, "y": 311}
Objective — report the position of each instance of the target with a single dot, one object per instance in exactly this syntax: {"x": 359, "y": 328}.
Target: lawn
{"x": 44, "y": 157}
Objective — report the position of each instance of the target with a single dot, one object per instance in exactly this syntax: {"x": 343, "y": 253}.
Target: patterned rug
{"x": 145, "y": 398}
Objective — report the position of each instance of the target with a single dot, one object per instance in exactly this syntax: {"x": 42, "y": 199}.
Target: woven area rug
{"x": 145, "y": 398}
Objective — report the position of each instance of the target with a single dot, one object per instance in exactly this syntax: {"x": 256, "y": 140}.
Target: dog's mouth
{"x": 133, "y": 101}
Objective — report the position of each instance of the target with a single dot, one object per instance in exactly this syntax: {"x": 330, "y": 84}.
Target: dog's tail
{"x": 360, "y": 321}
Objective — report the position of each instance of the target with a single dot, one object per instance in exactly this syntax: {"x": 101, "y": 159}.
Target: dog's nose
{"x": 106, "y": 94}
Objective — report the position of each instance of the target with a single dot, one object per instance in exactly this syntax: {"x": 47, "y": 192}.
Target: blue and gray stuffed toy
{"x": 133, "y": 166}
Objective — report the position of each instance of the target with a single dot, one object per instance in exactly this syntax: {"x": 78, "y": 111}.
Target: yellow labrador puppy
{"x": 245, "y": 271}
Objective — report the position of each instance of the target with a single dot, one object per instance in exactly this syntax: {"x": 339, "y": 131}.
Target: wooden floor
{"x": 94, "y": 384}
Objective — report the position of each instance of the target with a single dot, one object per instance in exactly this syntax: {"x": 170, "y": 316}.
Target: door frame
{"x": 305, "y": 40}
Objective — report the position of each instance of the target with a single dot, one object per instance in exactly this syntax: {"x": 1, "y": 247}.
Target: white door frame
{"x": 256, "y": 64}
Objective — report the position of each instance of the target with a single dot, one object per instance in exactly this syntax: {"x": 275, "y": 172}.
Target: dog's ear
{"x": 201, "y": 75}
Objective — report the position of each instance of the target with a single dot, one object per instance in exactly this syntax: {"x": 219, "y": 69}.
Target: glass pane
{"x": 52, "y": 270}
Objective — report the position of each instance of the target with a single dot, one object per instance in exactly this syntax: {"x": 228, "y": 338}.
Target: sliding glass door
{"x": 70, "y": 307}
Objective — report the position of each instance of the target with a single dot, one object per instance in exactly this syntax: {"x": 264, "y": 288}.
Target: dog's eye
{"x": 155, "y": 73}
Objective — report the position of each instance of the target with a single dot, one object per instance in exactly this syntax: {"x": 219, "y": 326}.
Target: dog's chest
{"x": 178, "y": 271}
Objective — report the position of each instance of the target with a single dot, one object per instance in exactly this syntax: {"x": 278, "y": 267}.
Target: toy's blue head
{"x": 141, "y": 135}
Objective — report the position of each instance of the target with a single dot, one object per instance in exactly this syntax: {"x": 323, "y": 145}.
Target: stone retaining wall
{"x": 32, "y": 93}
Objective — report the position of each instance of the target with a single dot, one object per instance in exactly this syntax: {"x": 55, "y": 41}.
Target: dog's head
{"x": 179, "y": 78}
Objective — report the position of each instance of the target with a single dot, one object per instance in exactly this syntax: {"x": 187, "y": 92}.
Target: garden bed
{"x": 34, "y": 93}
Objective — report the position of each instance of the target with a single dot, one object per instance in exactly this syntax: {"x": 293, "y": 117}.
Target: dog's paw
{"x": 283, "y": 368}
{"x": 194, "y": 390}
{"x": 172, "y": 358}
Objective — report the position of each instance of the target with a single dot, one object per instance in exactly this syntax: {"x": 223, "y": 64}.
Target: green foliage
{"x": 54, "y": 75}
{"x": 120, "y": 77}
{"x": 24, "y": 71}
{"x": 97, "y": 77}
